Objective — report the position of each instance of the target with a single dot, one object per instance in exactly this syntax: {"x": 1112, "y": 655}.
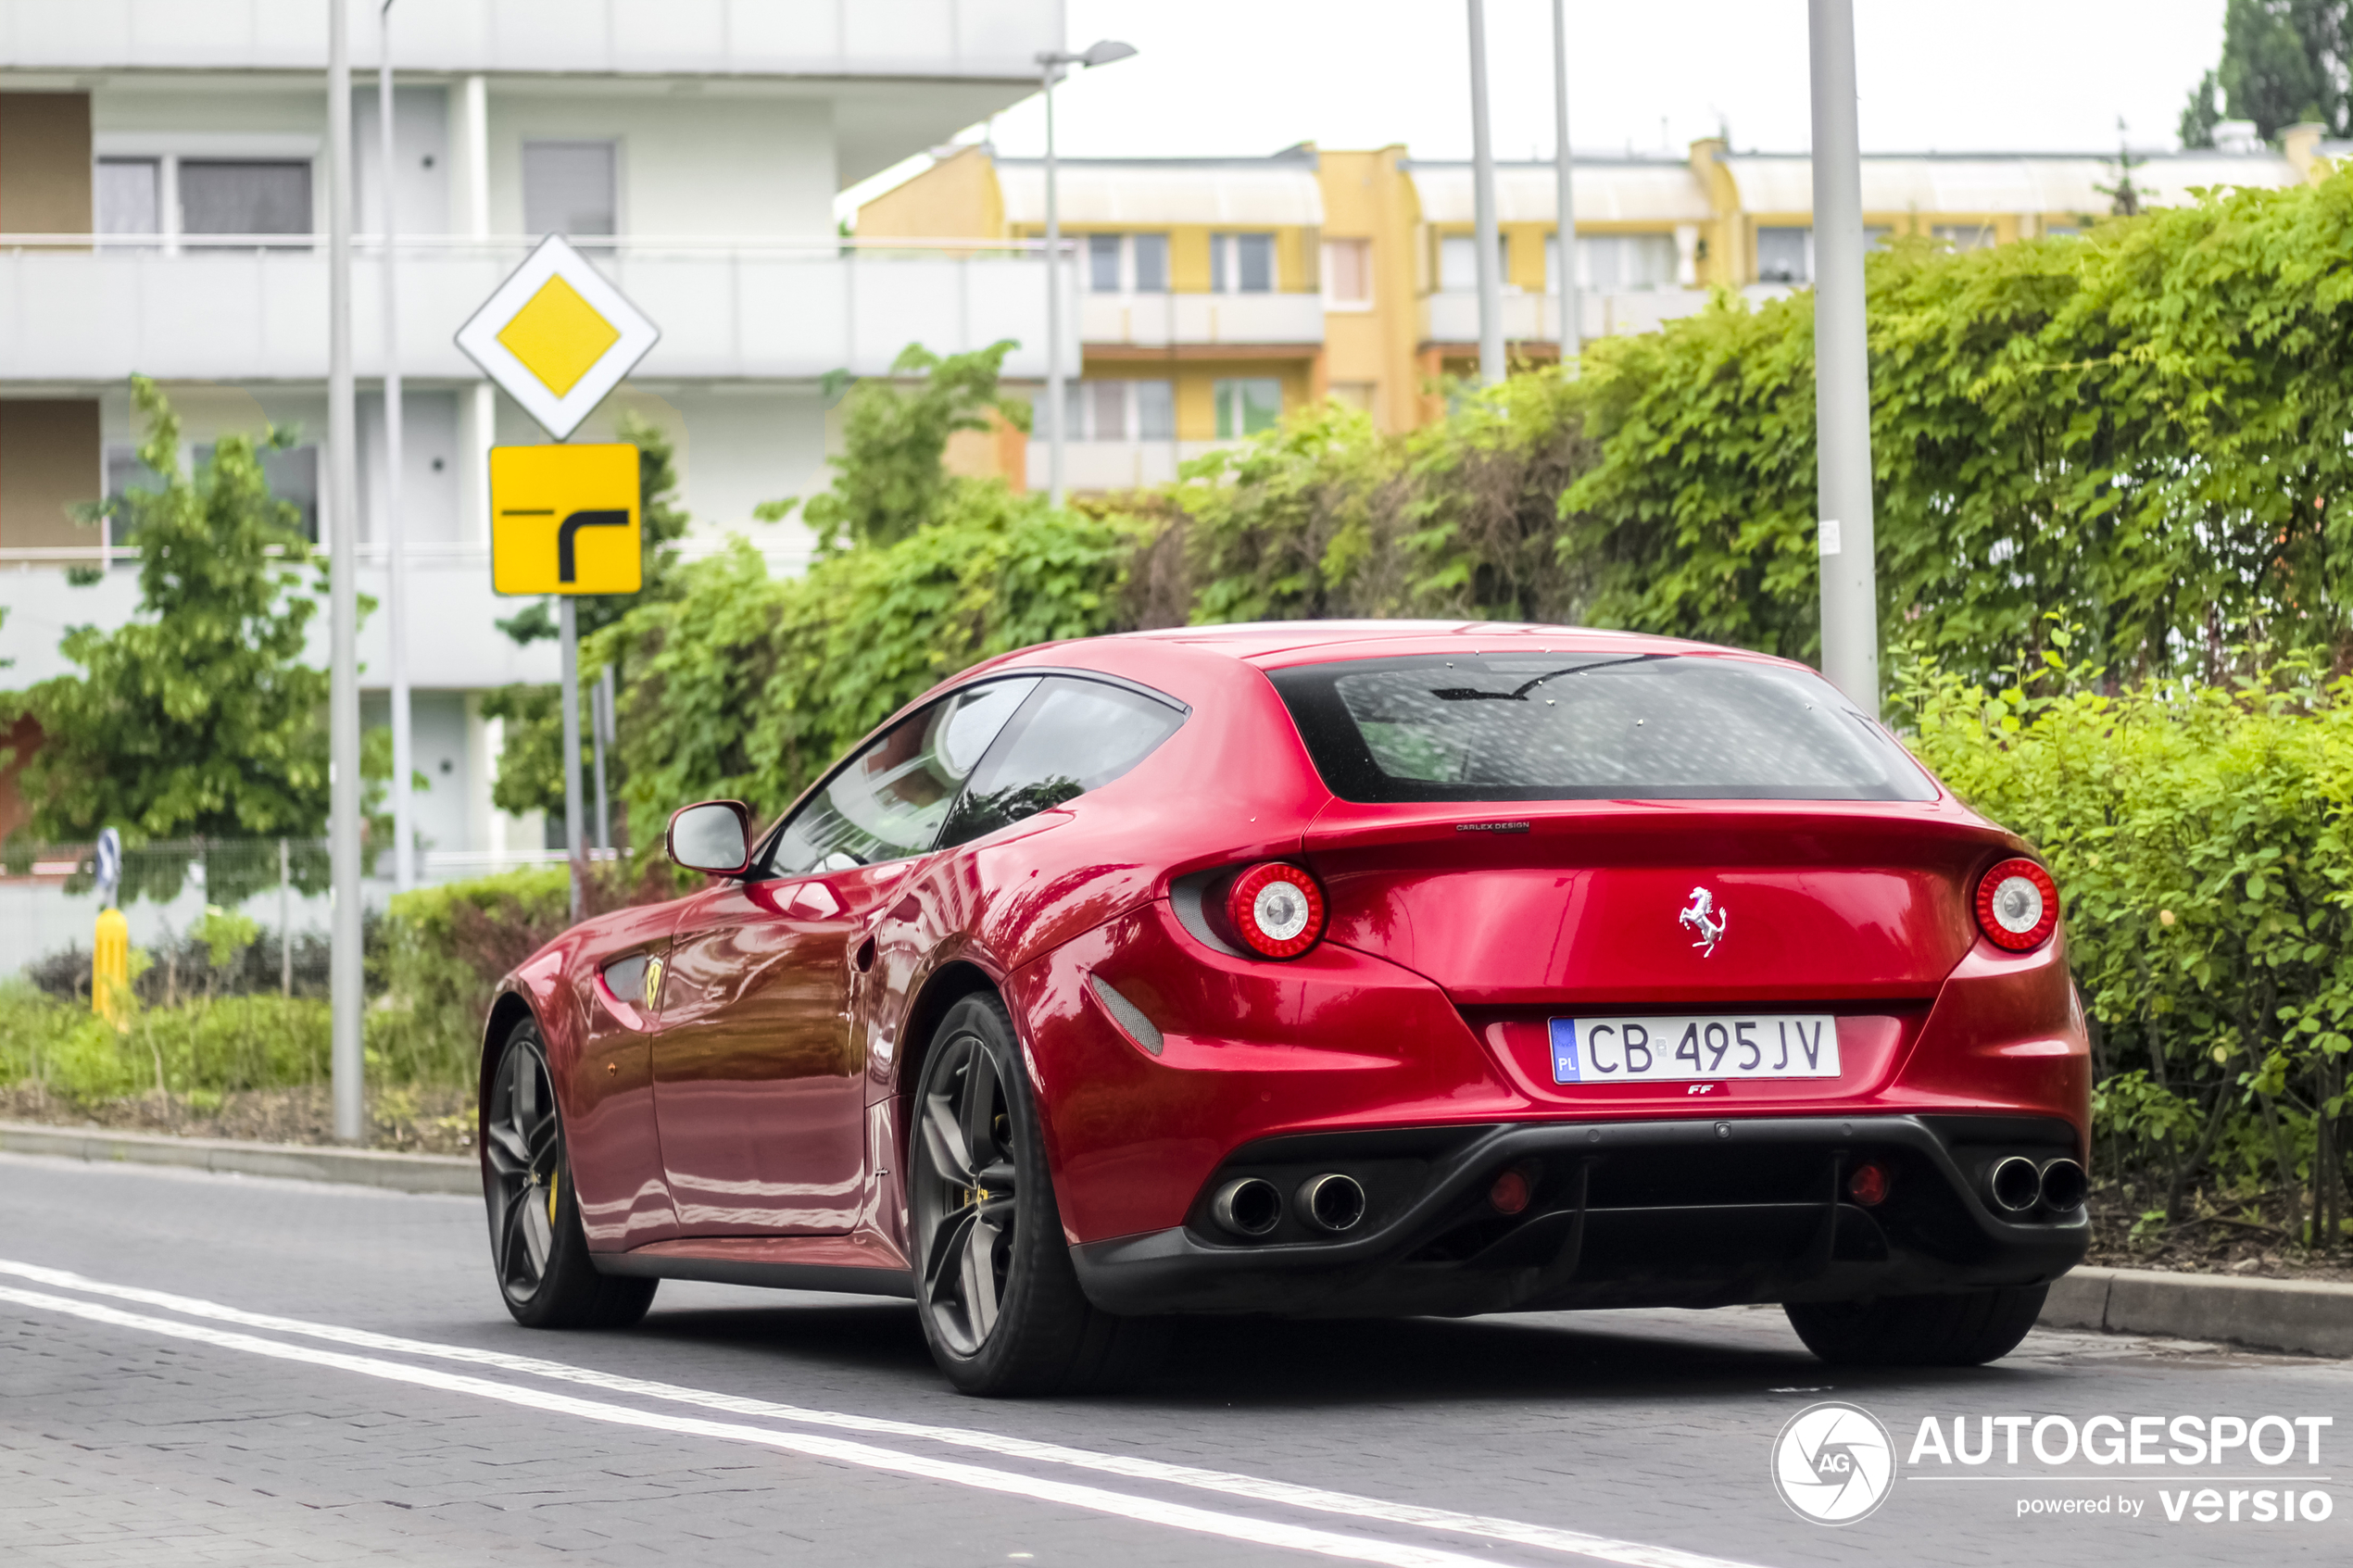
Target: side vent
{"x": 1128, "y": 1014}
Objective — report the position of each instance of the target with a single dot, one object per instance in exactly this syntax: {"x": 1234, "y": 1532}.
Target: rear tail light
{"x": 2018, "y": 905}
{"x": 1277, "y": 909}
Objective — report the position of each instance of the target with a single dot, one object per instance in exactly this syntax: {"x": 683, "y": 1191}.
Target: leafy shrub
{"x": 2201, "y": 842}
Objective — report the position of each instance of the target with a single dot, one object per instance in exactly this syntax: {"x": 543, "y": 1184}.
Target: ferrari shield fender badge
{"x": 1703, "y": 919}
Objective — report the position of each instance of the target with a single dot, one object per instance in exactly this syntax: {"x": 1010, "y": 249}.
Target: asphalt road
{"x": 199, "y": 1368}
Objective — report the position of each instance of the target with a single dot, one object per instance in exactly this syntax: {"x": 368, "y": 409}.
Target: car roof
{"x": 1270, "y": 645}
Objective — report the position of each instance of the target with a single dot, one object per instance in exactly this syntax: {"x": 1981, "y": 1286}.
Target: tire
{"x": 1000, "y": 1302}
{"x": 539, "y": 1251}
{"x": 1966, "y": 1329}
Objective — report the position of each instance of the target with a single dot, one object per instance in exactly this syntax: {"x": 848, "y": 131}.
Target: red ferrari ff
{"x": 1318, "y": 968}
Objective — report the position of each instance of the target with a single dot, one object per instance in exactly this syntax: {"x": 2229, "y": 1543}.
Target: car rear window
{"x": 1578, "y": 726}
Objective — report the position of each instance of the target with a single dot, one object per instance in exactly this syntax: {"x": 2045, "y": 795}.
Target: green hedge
{"x": 2199, "y": 836}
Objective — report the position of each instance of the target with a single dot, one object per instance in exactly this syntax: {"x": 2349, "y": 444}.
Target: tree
{"x": 2283, "y": 62}
{"x": 197, "y": 718}
{"x": 890, "y": 479}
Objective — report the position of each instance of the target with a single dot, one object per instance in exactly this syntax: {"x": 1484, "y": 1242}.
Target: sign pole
{"x": 600, "y": 730}
{"x": 569, "y": 626}
{"x": 345, "y": 972}
{"x": 1566, "y": 243}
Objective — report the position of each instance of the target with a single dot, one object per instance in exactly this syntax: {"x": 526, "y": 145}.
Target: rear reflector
{"x": 1867, "y": 1185}
{"x": 2018, "y": 905}
{"x": 1277, "y": 909}
{"x": 1509, "y": 1195}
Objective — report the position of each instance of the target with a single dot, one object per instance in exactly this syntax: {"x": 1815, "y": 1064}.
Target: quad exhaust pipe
{"x": 1248, "y": 1206}
{"x": 1331, "y": 1201}
{"x": 1252, "y": 1206}
{"x": 2016, "y": 1186}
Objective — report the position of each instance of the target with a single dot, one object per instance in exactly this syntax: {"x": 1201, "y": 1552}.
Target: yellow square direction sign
{"x": 558, "y": 336}
{"x": 563, "y": 519}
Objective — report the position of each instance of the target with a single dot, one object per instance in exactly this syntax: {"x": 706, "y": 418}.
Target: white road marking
{"x": 1635, "y": 1554}
{"x": 1150, "y": 1511}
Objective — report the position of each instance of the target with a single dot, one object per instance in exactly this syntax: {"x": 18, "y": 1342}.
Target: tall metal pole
{"x": 403, "y": 834}
{"x": 1053, "y": 310}
{"x": 600, "y": 731}
{"x": 568, "y": 628}
{"x": 345, "y": 973}
{"x": 1490, "y": 286}
{"x": 1841, "y": 366}
{"x": 1571, "y": 328}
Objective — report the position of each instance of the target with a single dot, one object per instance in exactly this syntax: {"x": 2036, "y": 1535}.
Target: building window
{"x": 222, "y": 197}
{"x": 130, "y": 195}
{"x": 1126, "y": 263}
{"x": 292, "y": 473}
{"x": 1151, "y": 263}
{"x": 1103, "y": 263}
{"x": 1119, "y": 410}
{"x": 1248, "y": 405}
{"x": 1784, "y": 255}
{"x": 1348, "y": 274}
{"x": 1614, "y": 261}
{"x": 568, "y": 188}
{"x": 1964, "y": 236}
{"x": 1458, "y": 262}
{"x": 1242, "y": 263}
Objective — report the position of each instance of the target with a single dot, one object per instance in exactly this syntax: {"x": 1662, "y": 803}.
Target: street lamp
{"x": 346, "y": 1052}
{"x": 1841, "y": 367}
{"x": 404, "y": 865}
{"x": 1565, "y": 224}
{"x": 1051, "y": 63}
{"x": 1490, "y": 285}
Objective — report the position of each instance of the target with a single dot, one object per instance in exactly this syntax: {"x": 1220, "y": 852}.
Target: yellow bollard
{"x": 110, "y": 965}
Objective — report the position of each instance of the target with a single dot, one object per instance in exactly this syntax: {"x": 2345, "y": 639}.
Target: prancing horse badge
{"x": 1706, "y": 919}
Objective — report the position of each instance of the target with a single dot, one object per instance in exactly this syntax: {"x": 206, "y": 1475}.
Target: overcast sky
{"x": 1241, "y": 77}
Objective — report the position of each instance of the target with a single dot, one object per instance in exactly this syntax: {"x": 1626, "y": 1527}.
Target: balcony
{"x": 1188, "y": 320}
{"x": 1099, "y": 466}
{"x": 954, "y": 39}
{"x": 254, "y": 308}
{"x": 1452, "y": 319}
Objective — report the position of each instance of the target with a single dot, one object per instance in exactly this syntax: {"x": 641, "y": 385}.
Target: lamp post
{"x": 1490, "y": 287}
{"x": 1841, "y": 367}
{"x": 1051, "y": 63}
{"x": 404, "y": 865}
{"x": 344, "y": 1057}
{"x": 1571, "y": 328}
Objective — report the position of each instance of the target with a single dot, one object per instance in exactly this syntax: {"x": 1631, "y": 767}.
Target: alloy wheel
{"x": 524, "y": 1146}
{"x": 966, "y": 1205}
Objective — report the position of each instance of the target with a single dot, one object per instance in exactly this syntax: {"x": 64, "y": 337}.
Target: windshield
{"x": 1578, "y": 726}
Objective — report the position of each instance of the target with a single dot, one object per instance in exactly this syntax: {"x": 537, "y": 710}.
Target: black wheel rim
{"x": 965, "y": 1202}
{"x": 524, "y": 1148}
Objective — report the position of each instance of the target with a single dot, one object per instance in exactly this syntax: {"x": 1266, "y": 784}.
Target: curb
{"x": 354, "y": 1167}
{"x": 2304, "y": 1318}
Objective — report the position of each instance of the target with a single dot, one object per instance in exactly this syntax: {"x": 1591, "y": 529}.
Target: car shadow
{"x": 1273, "y": 1365}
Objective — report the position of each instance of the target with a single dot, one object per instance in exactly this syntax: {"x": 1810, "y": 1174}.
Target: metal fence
{"x": 189, "y": 902}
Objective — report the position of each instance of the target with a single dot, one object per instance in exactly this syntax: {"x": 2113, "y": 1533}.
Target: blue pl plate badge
{"x": 1565, "y": 1067}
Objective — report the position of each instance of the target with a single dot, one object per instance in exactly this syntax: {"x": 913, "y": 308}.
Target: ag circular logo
{"x": 1834, "y": 1464}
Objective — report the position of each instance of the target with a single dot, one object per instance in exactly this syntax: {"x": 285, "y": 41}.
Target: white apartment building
{"x": 163, "y": 207}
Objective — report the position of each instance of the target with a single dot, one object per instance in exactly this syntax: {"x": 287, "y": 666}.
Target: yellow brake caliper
{"x": 553, "y": 1181}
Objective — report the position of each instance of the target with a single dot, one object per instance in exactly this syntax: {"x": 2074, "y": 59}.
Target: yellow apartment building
{"x": 1213, "y": 296}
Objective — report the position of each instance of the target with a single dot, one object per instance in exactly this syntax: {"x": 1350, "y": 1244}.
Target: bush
{"x": 2199, "y": 836}
{"x": 212, "y": 1047}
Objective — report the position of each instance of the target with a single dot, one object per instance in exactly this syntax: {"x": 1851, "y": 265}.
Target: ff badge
{"x": 1834, "y": 1464}
{"x": 563, "y": 519}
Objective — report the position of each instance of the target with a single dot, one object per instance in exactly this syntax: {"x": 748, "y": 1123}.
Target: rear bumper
{"x": 1686, "y": 1212}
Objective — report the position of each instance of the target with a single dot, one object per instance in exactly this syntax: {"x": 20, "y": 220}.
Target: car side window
{"x": 888, "y": 801}
{"x": 1071, "y": 736}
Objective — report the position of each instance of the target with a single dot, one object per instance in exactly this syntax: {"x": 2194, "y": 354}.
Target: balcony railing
{"x": 83, "y": 307}
{"x": 1452, "y": 319}
{"x": 1098, "y": 465}
{"x": 1161, "y": 320}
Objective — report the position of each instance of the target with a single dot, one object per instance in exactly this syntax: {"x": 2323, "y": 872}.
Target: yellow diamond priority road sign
{"x": 563, "y": 519}
{"x": 557, "y": 336}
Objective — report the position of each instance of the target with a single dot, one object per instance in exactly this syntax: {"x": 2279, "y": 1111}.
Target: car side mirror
{"x": 712, "y": 836}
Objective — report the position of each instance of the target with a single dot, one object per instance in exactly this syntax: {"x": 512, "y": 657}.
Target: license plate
{"x": 1637, "y": 1051}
